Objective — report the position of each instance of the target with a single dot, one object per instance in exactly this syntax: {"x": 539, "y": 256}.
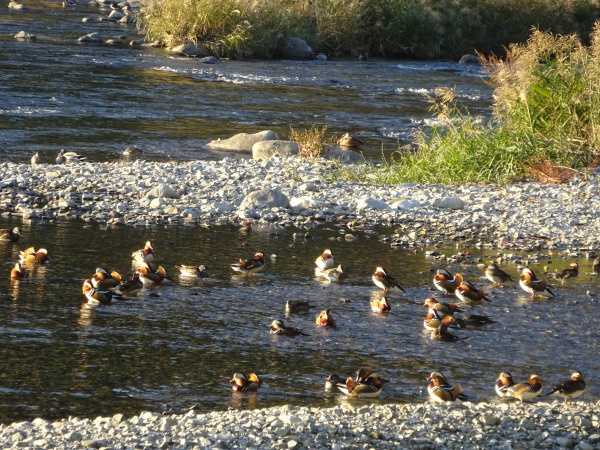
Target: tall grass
{"x": 545, "y": 123}
{"x": 415, "y": 28}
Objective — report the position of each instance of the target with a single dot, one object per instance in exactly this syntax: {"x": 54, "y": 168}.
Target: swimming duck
{"x": 433, "y": 321}
{"x": 596, "y": 266}
{"x": 105, "y": 279}
{"x": 348, "y": 141}
{"x": 469, "y": 294}
{"x": 472, "y": 321}
{"x": 446, "y": 282}
{"x": 440, "y": 390}
{"x": 297, "y": 306}
{"x": 30, "y": 255}
{"x": 496, "y": 275}
{"x": 252, "y": 265}
{"x": 150, "y": 276}
{"x": 440, "y": 308}
{"x": 325, "y": 319}
{"x": 569, "y": 389}
{"x": 441, "y": 333}
{"x": 242, "y": 383}
{"x": 384, "y": 281}
{"x": 35, "y": 159}
{"x": 68, "y": 157}
{"x": 571, "y": 272}
{"x": 532, "y": 285}
{"x": 336, "y": 274}
{"x": 526, "y": 391}
{"x": 98, "y": 296}
{"x": 246, "y": 228}
{"x": 504, "y": 381}
{"x": 325, "y": 261}
{"x": 332, "y": 382}
{"x": 145, "y": 254}
{"x": 18, "y": 272}
{"x": 367, "y": 385}
{"x": 380, "y": 304}
{"x": 277, "y": 327}
{"x": 131, "y": 153}
{"x": 10, "y": 235}
{"x": 130, "y": 288}
{"x": 194, "y": 271}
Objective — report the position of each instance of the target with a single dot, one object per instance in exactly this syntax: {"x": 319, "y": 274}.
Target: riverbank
{"x": 350, "y": 425}
{"x": 302, "y": 192}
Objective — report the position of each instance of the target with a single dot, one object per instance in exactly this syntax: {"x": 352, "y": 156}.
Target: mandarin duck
{"x": 35, "y": 159}
{"x": 10, "y": 235}
{"x": 68, "y": 157}
{"x": 297, "y": 306}
{"x": 596, "y": 266}
{"x": 325, "y": 319}
{"x": 384, "y": 281}
{"x": 367, "y": 385}
{"x": 332, "y": 381}
{"x": 131, "y": 153}
{"x": 150, "y": 276}
{"x": 440, "y": 390}
{"x": 496, "y": 275}
{"x": 98, "y": 296}
{"x": 503, "y": 382}
{"x": 532, "y": 285}
{"x": 440, "y": 308}
{"x": 526, "y": 391}
{"x": 325, "y": 261}
{"x": 348, "y": 141}
{"x": 571, "y": 272}
{"x": 569, "y": 389}
{"x": 433, "y": 321}
{"x": 105, "y": 279}
{"x": 242, "y": 383}
{"x": 252, "y": 265}
{"x": 446, "y": 282}
{"x": 472, "y": 321}
{"x": 30, "y": 255}
{"x": 194, "y": 271}
{"x": 130, "y": 288}
{"x": 278, "y": 328}
{"x": 380, "y": 304}
{"x": 469, "y": 294}
{"x": 145, "y": 254}
{"x": 18, "y": 272}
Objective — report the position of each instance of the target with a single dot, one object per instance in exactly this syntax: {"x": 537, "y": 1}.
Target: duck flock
{"x": 106, "y": 285}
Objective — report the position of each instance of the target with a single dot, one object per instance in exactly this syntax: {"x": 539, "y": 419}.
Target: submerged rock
{"x": 297, "y": 49}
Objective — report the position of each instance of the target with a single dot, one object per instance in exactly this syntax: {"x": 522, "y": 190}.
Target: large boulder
{"x": 265, "y": 198}
{"x": 266, "y": 149}
{"x": 243, "y": 142}
{"x": 190, "y": 49}
{"x": 297, "y": 49}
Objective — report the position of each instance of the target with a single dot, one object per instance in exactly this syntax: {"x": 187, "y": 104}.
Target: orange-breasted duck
{"x": 105, "y": 278}
{"x": 440, "y": 308}
{"x": 384, "y": 281}
{"x": 380, "y": 304}
{"x": 245, "y": 383}
{"x": 441, "y": 391}
{"x": 469, "y": 294}
{"x": 532, "y": 284}
{"x": 150, "y": 276}
{"x": 526, "y": 391}
{"x": 31, "y": 255}
{"x": 98, "y": 296}
{"x": 503, "y": 382}
{"x": 145, "y": 254}
{"x": 325, "y": 319}
{"x": 252, "y": 265}
{"x": 325, "y": 260}
{"x": 18, "y": 272}
{"x": 444, "y": 281}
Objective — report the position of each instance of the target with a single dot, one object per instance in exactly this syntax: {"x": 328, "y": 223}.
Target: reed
{"x": 415, "y": 28}
{"x": 545, "y": 122}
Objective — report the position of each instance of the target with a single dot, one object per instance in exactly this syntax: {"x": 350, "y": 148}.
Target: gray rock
{"x": 345, "y": 156}
{"x": 371, "y": 203}
{"x": 265, "y": 198}
{"x": 92, "y": 38}
{"x": 267, "y": 149}
{"x": 449, "y": 203}
{"x": 162, "y": 191}
{"x": 297, "y": 49}
{"x": 469, "y": 59}
{"x": 209, "y": 60}
{"x": 115, "y": 15}
{"x": 190, "y": 49}
{"x": 243, "y": 142}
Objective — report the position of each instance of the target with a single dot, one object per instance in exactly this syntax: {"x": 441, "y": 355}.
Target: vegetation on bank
{"x": 545, "y": 123}
{"x": 390, "y": 28}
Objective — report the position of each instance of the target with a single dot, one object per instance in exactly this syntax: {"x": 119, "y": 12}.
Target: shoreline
{"x": 525, "y": 215}
{"x": 350, "y": 425}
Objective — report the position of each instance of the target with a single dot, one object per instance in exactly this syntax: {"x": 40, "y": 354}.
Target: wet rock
{"x": 191, "y": 49}
{"x": 209, "y": 60}
{"x": 92, "y": 38}
{"x": 265, "y": 197}
{"x": 162, "y": 190}
{"x": 469, "y": 59}
{"x": 297, "y": 49}
{"x": 25, "y": 36}
{"x": 267, "y": 149}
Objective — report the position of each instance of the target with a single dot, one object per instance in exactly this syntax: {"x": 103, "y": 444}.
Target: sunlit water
{"x": 176, "y": 346}
{"x": 56, "y": 93}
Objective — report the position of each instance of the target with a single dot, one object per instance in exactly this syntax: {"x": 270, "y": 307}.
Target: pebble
{"x": 523, "y": 215}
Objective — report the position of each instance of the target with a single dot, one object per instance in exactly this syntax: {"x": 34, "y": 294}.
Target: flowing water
{"x": 176, "y": 346}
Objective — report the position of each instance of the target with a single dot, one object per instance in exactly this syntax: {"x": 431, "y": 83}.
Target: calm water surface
{"x": 176, "y": 346}
{"x": 56, "y": 93}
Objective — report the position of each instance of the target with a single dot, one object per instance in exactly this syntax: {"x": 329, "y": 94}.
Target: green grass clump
{"x": 545, "y": 122}
{"x": 413, "y": 28}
